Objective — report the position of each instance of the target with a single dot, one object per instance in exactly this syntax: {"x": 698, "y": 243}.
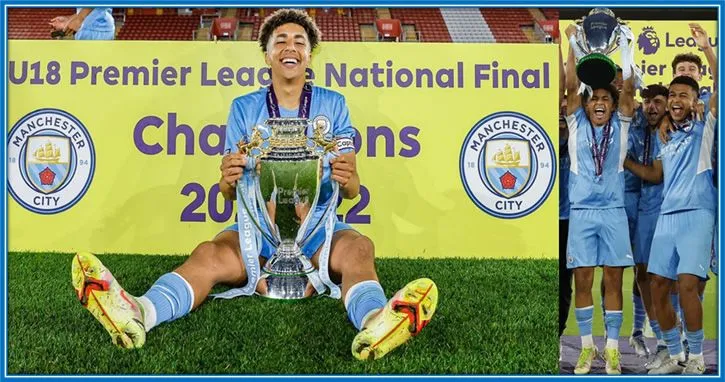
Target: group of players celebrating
{"x": 638, "y": 189}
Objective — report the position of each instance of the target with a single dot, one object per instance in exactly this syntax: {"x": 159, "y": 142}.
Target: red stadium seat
{"x": 389, "y": 29}
{"x": 224, "y": 28}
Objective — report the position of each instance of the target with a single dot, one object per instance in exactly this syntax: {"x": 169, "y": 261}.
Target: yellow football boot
{"x": 100, "y": 293}
{"x": 403, "y": 317}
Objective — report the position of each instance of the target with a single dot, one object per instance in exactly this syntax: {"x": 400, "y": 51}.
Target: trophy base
{"x": 286, "y": 277}
{"x": 596, "y": 70}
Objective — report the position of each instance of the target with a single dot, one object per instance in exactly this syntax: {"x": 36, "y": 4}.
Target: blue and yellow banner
{"x": 115, "y": 147}
{"x": 656, "y": 44}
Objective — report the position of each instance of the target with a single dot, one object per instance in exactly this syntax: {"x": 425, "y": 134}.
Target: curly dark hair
{"x": 613, "y": 92}
{"x": 685, "y": 80}
{"x": 284, "y": 16}
{"x": 686, "y": 57}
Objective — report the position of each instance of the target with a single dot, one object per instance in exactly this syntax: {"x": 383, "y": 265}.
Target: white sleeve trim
{"x": 704, "y": 162}
{"x": 572, "y": 124}
{"x": 624, "y": 123}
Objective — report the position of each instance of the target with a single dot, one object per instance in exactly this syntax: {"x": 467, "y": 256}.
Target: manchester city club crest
{"x": 47, "y": 161}
{"x": 51, "y": 161}
{"x": 321, "y": 121}
{"x": 507, "y": 165}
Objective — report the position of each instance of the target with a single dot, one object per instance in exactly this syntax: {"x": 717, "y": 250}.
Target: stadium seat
{"x": 388, "y": 29}
{"x": 224, "y": 28}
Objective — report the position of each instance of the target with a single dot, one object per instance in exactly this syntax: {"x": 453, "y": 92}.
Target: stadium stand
{"x": 23, "y": 23}
{"x": 336, "y": 24}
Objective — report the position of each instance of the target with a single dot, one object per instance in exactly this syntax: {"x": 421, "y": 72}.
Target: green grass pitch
{"x": 493, "y": 317}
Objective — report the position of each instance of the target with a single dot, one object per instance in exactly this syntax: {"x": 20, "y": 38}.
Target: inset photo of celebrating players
{"x": 638, "y": 240}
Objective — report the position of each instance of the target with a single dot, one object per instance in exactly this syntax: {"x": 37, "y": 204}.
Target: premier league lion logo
{"x": 648, "y": 41}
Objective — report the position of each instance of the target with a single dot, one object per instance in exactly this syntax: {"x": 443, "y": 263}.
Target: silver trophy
{"x": 283, "y": 190}
{"x": 598, "y": 35}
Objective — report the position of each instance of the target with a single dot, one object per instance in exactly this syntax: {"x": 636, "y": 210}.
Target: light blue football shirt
{"x": 586, "y": 190}
{"x": 327, "y": 105}
{"x": 687, "y": 166}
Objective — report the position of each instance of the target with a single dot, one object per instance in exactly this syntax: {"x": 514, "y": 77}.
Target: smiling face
{"x": 600, "y": 106}
{"x": 689, "y": 69}
{"x": 654, "y": 109}
{"x": 681, "y": 101}
{"x": 288, "y": 51}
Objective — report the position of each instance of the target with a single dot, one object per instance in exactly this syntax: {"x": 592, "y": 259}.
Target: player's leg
{"x": 695, "y": 250}
{"x": 631, "y": 206}
{"x": 384, "y": 324}
{"x": 582, "y": 258}
{"x": 646, "y": 224}
{"x": 565, "y": 276}
{"x": 613, "y": 304}
{"x": 173, "y": 295}
{"x": 616, "y": 254}
{"x": 662, "y": 267}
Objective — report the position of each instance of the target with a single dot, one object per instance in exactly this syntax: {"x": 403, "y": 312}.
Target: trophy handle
{"x": 255, "y": 143}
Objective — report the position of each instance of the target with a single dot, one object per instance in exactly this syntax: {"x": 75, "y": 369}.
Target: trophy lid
{"x": 606, "y": 11}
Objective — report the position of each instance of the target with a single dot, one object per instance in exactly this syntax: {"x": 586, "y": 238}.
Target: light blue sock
{"x": 170, "y": 298}
{"x": 639, "y": 313}
{"x": 614, "y": 323}
{"x": 584, "y": 318}
{"x": 694, "y": 340}
{"x": 361, "y": 299}
{"x": 672, "y": 339}
{"x": 656, "y": 328}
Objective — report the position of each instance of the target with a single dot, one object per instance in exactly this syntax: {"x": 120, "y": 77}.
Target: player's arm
{"x": 74, "y": 22}
{"x": 652, "y": 174}
{"x": 713, "y": 104}
{"x": 233, "y": 163}
{"x": 232, "y": 168}
{"x": 703, "y": 43}
{"x": 573, "y": 101}
{"x": 626, "y": 100}
{"x": 344, "y": 171}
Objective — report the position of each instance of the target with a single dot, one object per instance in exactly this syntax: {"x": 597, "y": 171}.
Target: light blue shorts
{"x": 646, "y": 224}
{"x": 598, "y": 238}
{"x": 84, "y": 34}
{"x": 682, "y": 244}
{"x": 308, "y": 249}
{"x": 631, "y": 205}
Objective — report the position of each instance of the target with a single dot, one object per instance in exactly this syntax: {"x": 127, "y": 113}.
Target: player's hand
{"x": 342, "y": 168}
{"x": 74, "y": 24}
{"x": 698, "y": 112}
{"x": 570, "y": 30}
{"x": 666, "y": 127}
{"x": 232, "y": 167}
{"x": 699, "y": 35}
{"x": 59, "y": 23}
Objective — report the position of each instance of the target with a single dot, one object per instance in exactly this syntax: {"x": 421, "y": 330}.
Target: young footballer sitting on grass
{"x": 287, "y": 39}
